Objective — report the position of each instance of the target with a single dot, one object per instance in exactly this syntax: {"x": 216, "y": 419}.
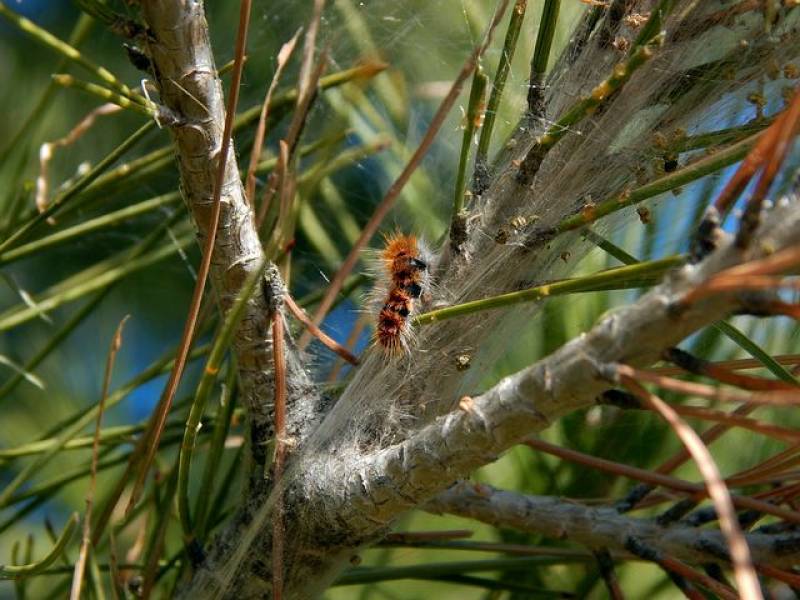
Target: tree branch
{"x": 189, "y": 85}
{"x": 342, "y": 499}
{"x": 369, "y": 491}
{"x": 606, "y": 527}
{"x": 594, "y": 162}
{"x": 341, "y": 496}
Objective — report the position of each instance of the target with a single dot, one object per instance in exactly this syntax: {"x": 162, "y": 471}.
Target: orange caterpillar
{"x": 408, "y": 280}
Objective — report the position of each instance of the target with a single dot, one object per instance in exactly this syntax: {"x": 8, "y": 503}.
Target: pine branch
{"x": 339, "y": 501}
{"x": 596, "y": 527}
{"x": 189, "y": 85}
{"x": 530, "y": 400}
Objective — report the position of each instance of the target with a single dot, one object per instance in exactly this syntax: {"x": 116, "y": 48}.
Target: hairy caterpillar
{"x": 407, "y": 270}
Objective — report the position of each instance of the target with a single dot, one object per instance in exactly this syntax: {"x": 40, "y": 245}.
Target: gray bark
{"x": 340, "y": 501}
{"x": 340, "y": 495}
{"x": 604, "y": 527}
{"x": 188, "y": 85}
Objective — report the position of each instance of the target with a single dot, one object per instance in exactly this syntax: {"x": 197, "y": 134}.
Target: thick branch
{"x": 342, "y": 498}
{"x": 381, "y": 485}
{"x": 340, "y": 495}
{"x": 604, "y": 527}
{"x": 189, "y": 86}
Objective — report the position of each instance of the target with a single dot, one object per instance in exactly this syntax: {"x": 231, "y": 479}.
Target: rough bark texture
{"x": 339, "y": 502}
{"x": 188, "y": 84}
{"x": 605, "y": 527}
{"x": 370, "y": 493}
{"x": 339, "y": 499}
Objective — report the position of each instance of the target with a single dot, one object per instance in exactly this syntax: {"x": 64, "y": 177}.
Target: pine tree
{"x": 641, "y": 100}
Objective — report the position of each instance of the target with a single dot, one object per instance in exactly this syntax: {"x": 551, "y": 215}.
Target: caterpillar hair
{"x": 406, "y": 268}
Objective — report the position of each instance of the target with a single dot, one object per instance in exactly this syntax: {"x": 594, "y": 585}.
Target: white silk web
{"x": 712, "y": 60}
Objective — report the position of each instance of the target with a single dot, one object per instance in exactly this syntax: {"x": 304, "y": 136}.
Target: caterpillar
{"x": 407, "y": 268}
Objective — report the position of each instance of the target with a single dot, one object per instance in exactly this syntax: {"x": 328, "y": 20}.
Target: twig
{"x": 13, "y": 571}
{"x": 569, "y": 520}
{"x": 151, "y": 440}
{"x": 695, "y": 490}
{"x": 80, "y": 564}
{"x": 329, "y": 342}
{"x": 481, "y": 175}
{"x": 261, "y": 129}
{"x": 541, "y": 56}
{"x": 279, "y": 360}
{"x": 745, "y": 575}
{"x": 531, "y": 399}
